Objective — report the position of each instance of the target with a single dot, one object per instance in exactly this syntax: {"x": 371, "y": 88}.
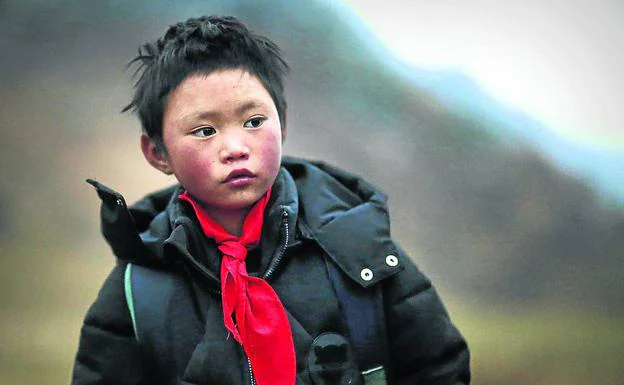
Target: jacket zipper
{"x": 252, "y": 379}
{"x": 272, "y": 268}
{"x": 274, "y": 265}
{"x": 284, "y": 243}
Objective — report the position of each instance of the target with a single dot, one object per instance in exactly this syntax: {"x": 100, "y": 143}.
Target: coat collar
{"x": 344, "y": 214}
{"x": 149, "y": 230}
{"x": 348, "y": 218}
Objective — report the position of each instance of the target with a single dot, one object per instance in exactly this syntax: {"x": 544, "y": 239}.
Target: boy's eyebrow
{"x": 207, "y": 115}
{"x": 249, "y": 105}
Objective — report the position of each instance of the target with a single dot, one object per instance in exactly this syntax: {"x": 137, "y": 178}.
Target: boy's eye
{"x": 204, "y": 132}
{"x": 254, "y": 122}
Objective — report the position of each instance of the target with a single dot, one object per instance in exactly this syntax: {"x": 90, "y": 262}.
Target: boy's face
{"x": 223, "y": 139}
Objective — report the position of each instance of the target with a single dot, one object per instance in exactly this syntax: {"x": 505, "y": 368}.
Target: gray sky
{"x": 559, "y": 61}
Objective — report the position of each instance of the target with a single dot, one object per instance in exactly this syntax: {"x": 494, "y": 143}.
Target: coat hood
{"x": 344, "y": 214}
{"x": 348, "y": 217}
{"x": 134, "y": 232}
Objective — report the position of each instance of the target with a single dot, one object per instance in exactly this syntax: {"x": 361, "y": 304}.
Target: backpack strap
{"x": 130, "y": 298}
{"x": 147, "y": 293}
{"x": 362, "y": 309}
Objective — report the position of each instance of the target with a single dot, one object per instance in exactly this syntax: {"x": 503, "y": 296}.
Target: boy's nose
{"x": 234, "y": 148}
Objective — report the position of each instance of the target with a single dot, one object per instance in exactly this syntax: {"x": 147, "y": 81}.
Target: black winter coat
{"x": 316, "y": 214}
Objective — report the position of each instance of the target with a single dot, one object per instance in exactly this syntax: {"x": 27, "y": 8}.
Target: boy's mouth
{"x": 239, "y": 174}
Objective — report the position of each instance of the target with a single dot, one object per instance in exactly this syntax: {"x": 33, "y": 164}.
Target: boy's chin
{"x": 236, "y": 204}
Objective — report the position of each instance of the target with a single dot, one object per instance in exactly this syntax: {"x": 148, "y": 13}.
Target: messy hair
{"x": 201, "y": 46}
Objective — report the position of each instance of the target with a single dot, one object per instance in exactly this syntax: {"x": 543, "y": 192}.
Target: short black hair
{"x": 202, "y": 45}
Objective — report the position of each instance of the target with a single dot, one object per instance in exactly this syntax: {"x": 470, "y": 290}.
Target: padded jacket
{"x": 317, "y": 214}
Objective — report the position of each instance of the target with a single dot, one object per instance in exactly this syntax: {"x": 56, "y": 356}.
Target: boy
{"x": 254, "y": 269}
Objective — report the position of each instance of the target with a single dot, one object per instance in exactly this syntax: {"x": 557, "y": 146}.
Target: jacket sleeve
{"x": 108, "y": 352}
{"x": 425, "y": 347}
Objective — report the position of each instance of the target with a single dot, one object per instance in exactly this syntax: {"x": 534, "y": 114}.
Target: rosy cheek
{"x": 196, "y": 165}
{"x": 272, "y": 143}
{"x": 195, "y": 168}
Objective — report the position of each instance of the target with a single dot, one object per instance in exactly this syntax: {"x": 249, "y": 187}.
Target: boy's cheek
{"x": 273, "y": 140}
{"x": 194, "y": 171}
{"x": 272, "y": 154}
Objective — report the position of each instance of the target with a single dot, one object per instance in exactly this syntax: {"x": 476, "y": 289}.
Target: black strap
{"x": 363, "y": 312}
{"x": 148, "y": 292}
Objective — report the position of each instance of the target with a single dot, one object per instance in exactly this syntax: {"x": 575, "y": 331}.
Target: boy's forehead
{"x": 221, "y": 83}
{"x": 209, "y": 95}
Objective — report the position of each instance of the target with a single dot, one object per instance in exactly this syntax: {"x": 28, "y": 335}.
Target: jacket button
{"x": 366, "y": 274}
{"x": 392, "y": 260}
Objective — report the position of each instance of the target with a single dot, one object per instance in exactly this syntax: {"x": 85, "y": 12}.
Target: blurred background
{"x": 495, "y": 129}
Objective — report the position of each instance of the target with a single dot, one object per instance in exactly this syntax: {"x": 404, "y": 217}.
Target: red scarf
{"x": 261, "y": 323}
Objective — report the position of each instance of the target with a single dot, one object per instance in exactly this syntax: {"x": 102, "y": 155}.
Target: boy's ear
{"x": 154, "y": 155}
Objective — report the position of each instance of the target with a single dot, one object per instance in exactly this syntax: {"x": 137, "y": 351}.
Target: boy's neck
{"x": 230, "y": 220}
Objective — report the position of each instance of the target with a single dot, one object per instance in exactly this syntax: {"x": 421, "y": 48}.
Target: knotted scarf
{"x": 252, "y": 311}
